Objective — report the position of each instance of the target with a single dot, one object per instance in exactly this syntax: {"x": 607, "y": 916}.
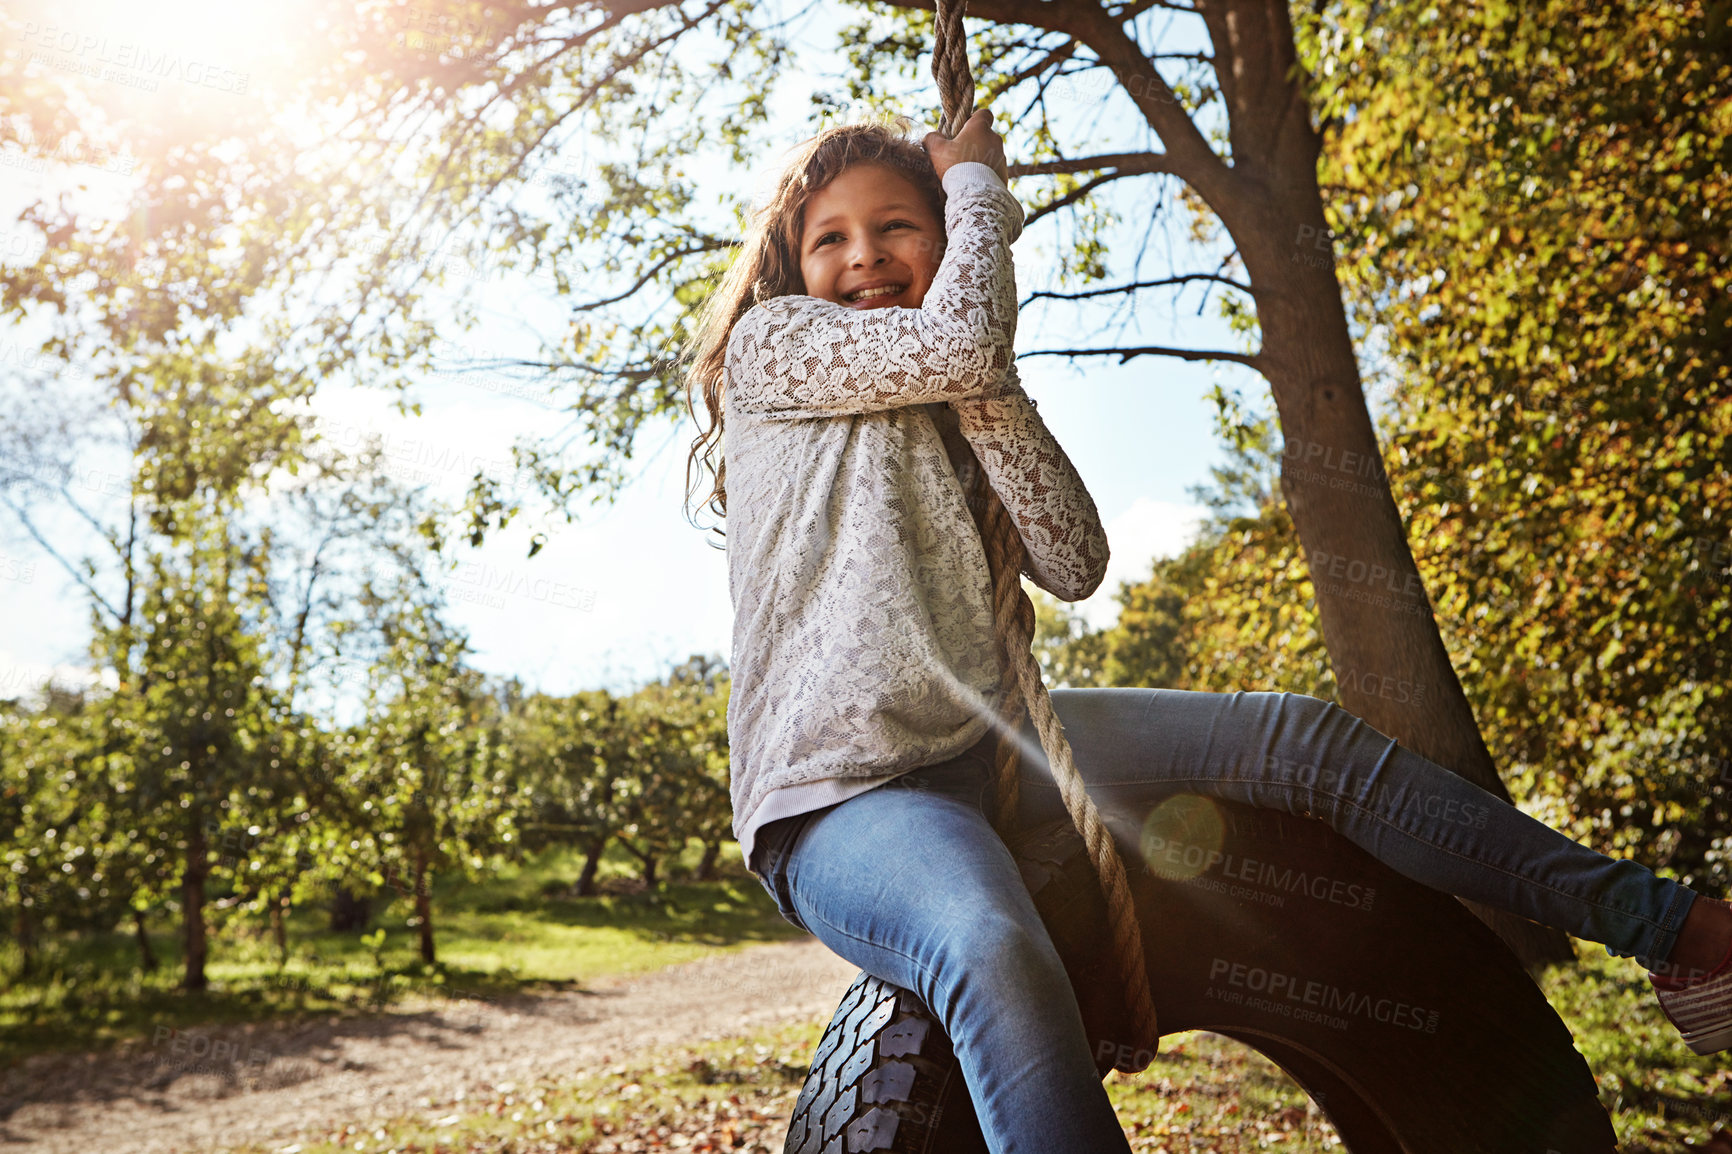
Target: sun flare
{"x": 132, "y": 52}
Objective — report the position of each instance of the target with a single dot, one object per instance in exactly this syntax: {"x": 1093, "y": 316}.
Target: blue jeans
{"x": 911, "y": 883}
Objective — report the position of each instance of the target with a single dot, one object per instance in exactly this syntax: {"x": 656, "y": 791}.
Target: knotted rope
{"x": 1013, "y": 621}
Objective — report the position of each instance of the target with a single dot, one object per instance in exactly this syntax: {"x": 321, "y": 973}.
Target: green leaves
{"x": 1231, "y": 611}
{"x": 648, "y": 769}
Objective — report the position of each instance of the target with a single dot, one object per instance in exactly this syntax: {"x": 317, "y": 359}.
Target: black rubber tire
{"x": 1497, "y": 1075}
{"x": 883, "y": 1078}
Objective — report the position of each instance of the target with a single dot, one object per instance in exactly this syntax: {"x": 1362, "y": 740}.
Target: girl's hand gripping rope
{"x": 977, "y": 141}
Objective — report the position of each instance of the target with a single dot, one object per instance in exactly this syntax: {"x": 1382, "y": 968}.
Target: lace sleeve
{"x": 799, "y": 356}
{"x": 1040, "y": 488}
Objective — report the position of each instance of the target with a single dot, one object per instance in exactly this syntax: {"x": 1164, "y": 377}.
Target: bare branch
{"x": 89, "y": 518}
{"x": 1225, "y": 261}
{"x": 1131, "y": 10}
{"x": 1044, "y": 82}
{"x": 1142, "y": 284}
{"x": 1187, "y": 151}
{"x": 1057, "y": 56}
{"x": 1127, "y": 164}
{"x": 625, "y": 373}
{"x": 1071, "y": 197}
{"x": 708, "y": 246}
{"x": 1034, "y": 13}
{"x": 36, "y": 534}
{"x": 298, "y": 645}
{"x": 1253, "y": 360}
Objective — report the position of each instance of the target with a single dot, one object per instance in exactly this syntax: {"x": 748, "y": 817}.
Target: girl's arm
{"x": 798, "y": 356}
{"x": 1040, "y": 488}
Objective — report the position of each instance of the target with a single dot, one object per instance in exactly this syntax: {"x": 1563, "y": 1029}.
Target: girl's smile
{"x": 871, "y": 240}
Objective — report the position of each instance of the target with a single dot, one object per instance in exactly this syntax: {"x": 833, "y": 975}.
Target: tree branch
{"x": 709, "y": 246}
{"x": 30, "y": 527}
{"x": 1187, "y": 151}
{"x": 298, "y": 646}
{"x": 1252, "y": 360}
{"x": 1071, "y": 197}
{"x": 1055, "y": 57}
{"x": 1268, "y": 121}
{"x": 1131, "y": 11}
{"x": 1034, "y": 13}
{"x": 1127, "y": 164}
{"x": 1142, "y": 284}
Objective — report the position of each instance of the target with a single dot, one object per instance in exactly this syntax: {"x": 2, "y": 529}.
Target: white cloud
{"x": 1146, "y": 530}
{"x": 23, "y": 678}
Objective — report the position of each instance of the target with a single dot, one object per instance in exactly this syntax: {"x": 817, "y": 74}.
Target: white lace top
{"x": 863, "y": 639}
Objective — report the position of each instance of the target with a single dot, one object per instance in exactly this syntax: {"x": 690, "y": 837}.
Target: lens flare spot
{"x": 1182, "y": 837}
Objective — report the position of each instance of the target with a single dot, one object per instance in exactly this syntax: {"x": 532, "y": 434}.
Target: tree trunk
{"x": 146, "y": 956}
{"x": 1376, "y": 618}
{"x": 423, "y": 907}
{"x": 591, "y": 863}
{"x": 25, "y": 931}
{"x": 707, "y": 863}
{"x": 192, "y": 909}
{"x": 649, "y": 870}
{"x": 279, "y": 926}
{"x": 1378, "y": 623}
{"x": 349, "y": 914}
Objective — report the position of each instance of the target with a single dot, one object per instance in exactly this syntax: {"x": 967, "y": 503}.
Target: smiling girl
{"x": 876, "y": 282}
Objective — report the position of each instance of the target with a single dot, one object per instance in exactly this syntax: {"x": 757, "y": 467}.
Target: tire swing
{"x": 1462, "y": 1055}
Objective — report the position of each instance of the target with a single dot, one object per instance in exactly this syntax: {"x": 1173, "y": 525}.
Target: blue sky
{"x": 632, "y": 587}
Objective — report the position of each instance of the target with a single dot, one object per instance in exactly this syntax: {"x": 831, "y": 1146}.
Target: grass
{"x": 1658, "y": 1092}
{"x": 516, "y": 930}
{"x": 1207, "y": 1092}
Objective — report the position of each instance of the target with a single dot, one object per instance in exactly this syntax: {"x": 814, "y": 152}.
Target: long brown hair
{"x": 767, "y": 264}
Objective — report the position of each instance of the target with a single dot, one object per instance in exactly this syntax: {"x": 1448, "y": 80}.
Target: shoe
{"x": 1701, "y": 1009}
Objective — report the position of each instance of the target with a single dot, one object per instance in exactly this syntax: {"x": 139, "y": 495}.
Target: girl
{"x": 878, "y": 281}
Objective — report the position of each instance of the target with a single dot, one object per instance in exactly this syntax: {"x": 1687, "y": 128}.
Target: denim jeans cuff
{"x": 1665, "y": 938}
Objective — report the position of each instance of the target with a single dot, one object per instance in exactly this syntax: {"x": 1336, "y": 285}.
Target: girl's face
{"x": 870, "y": 229}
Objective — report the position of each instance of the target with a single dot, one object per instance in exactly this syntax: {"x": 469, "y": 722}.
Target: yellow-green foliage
{"x": 1231, "y": 611}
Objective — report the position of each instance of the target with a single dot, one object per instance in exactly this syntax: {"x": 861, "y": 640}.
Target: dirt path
{"x": 200, "y": 1091}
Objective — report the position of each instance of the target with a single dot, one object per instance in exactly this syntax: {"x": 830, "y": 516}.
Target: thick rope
{"x": 950, "y": 66}
{"x": 1013, "y": 621}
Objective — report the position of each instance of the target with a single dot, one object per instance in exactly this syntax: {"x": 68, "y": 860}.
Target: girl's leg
{"x": 911, "y": 883}
{"x": 1313, "y": 758}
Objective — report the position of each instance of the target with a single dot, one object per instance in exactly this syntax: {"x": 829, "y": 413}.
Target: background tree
{"x": 571, "y": 754}
{"x": 49, "y": 875}
{"x": 199, "y": 714}
{"x": 705, "y": 683}
{"x": 680, "y": 788}
{"x": 659, "y": 766}
{"x": 1232, "y": 610}
{"x": 434, "y": 788}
